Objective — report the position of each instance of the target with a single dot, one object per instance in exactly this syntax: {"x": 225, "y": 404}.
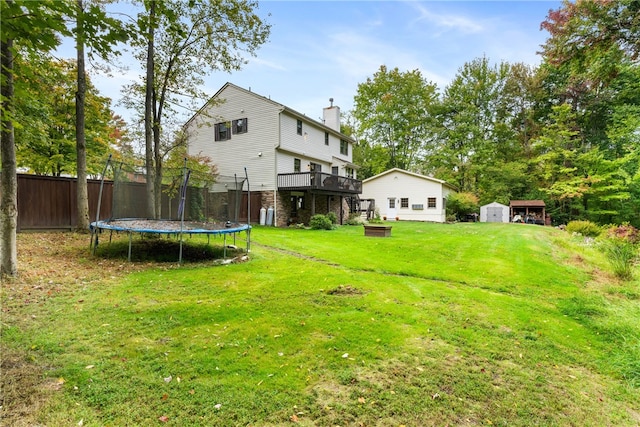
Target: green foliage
{"x": 320, "y": 222}
{"x": 46, "y": 136}
{"x": 461, "y": 204}
{"x": 621, "y": 246}
{"x": 388, "y": 139}
{"x": 584, "y": 228}
{"x": 332, "y": 217}
{"x": 354, "y": 219}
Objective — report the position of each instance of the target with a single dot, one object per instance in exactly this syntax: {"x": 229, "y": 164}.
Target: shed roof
{"x": 527, "y": 203}
{"x": 417, "y": 175}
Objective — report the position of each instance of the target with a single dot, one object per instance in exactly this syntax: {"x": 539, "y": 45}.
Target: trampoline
{"x": 216, "y": 198}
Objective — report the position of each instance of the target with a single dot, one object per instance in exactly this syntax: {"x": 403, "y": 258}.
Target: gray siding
{"x": 254, "y": 150}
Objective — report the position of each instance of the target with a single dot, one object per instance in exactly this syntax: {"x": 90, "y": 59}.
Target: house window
{"x": 344, "y": 147}
{"x": 299, "y": 127}
{"x": 350, "y": 173}
{"x": 334, "y": 170}
{"x": 315, "y": 167}
{"x": 296, "y": 165}
{"x": 404, "y": 202}
{"x": 431, "y": 202}
{"x": 326, "y": 138}
{"x": 222, "y": 131}
{"x": 240, "y": 126}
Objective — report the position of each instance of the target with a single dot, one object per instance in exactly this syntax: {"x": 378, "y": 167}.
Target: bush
{"x": 621, "y": 248}
{"x": 584, "y": 228}
{"x": 332, "y": 217}
{"x": 320, "y": 222}
{"x": 354, "y": 219}
{"x": 461, "y": 204}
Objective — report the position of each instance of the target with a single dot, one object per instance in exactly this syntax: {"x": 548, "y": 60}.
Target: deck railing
{"x": 319, "y": 181}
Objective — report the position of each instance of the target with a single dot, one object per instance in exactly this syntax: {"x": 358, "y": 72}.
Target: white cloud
{"x": 446, "y": 22}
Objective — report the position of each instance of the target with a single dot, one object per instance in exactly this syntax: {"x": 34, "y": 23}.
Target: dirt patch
{"x": 24, "y": 391}
{"x": 345, "y": 290}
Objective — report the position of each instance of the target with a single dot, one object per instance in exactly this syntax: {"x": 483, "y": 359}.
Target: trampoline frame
{"x": 228, "y": 228}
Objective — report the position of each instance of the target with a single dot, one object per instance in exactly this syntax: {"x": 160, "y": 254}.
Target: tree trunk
{"x": 81, "y": 145}
{"x": 158, "y": 167}
{"x": 8, "y": 174}
{"x": 148, "y": 114}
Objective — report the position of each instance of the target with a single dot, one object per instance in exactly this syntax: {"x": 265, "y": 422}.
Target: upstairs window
{"x": 240, "y": 126}
{"x": 299, "y": 127}
{"x": 344, "y": 147}
{"x": 326, "y": 138}
{"x": 296, "y": 165}
{"x": 222, "y": 131}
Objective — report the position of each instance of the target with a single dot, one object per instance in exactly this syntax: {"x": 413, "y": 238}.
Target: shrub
{"x": 320, "y": 222}
{"x": 461, "y": 204}
{"x": 621, "y": 248}
{"x": 332, "y": 217}
{"x": 584, "y": 228}
{"x": 376, "y": 217}
{"x": 354, "y": 219}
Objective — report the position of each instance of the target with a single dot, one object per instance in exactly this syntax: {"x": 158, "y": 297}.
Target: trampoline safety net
{"x": 205, "y": 197}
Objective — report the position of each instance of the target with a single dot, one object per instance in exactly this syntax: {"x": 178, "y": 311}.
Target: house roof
{"x": 277, "y": 104}
{"x": 527, "y": 203}
{"x": 417, "y": 175}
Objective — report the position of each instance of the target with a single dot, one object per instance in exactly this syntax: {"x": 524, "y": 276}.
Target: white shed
{"x": 403, "y": 195}
{"x": 494, "y": 212}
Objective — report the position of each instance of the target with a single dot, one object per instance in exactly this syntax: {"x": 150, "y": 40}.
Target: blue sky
{"x": 324, "y": 49}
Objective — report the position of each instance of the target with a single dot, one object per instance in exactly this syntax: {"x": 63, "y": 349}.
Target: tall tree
{"x": 100, "y": 32}
{"x": 480, "y": 119}
{"x": 393, "y": 112}
{"x": 182, "y": 41}
{"x": 590, "y": 63}
{"x": 33, "y": 26}
{"x": 45, "y": 138}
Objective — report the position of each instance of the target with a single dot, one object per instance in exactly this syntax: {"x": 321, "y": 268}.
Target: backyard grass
{"x": 440, "y": 324}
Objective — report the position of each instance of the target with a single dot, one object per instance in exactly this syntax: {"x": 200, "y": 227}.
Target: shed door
{"x": 494, "y": 214}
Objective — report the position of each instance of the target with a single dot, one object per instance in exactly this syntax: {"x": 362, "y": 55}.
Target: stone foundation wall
{"x": 324, "y": 205}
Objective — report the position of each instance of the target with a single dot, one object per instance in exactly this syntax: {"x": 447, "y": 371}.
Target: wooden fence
{"x": 49, "y": 203}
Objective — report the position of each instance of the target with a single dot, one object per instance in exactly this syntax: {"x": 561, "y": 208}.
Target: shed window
{"x": 404, "y": 202}
{"x": 431, "y": 202}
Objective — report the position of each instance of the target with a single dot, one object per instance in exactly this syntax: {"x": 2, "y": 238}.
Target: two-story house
{"x": 299, "y": 166}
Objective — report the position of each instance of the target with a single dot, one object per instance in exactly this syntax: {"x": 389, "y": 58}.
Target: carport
{"x": 531, "y": 211}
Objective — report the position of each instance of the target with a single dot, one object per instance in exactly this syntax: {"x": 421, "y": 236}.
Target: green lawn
{"x": 463, "y": 324}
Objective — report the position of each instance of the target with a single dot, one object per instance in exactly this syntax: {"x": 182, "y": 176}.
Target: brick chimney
{"x": 331, "y": 116}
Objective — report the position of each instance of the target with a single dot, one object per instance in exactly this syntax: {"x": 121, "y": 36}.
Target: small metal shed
{"x": 494, "y": 212}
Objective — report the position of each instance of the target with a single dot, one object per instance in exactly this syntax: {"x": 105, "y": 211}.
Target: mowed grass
{"x": 440, "y": 324}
